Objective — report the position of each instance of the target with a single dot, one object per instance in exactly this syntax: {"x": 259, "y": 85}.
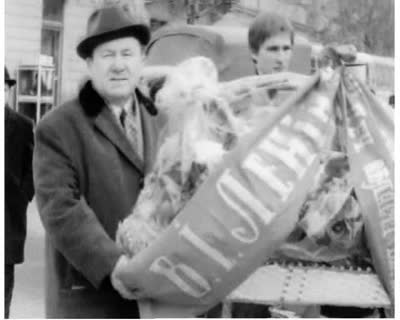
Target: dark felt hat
{"x": 111, "y": 23}
{"x": 7, "y": 78}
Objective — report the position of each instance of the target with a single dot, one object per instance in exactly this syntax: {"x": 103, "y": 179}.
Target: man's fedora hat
{"x": 111, "y": 23}
{"x": 7, "y": 78}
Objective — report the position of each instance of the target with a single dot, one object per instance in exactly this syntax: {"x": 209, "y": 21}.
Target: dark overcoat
{"x": 18, "y": 182}
{"x": 87, "y": 178}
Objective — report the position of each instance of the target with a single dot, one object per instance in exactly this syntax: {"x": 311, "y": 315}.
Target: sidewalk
{"x": 28, "y": 294}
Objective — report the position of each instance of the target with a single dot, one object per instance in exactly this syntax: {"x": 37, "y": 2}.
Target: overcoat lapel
{"x": 106, "y": 123}
{"x": 150, "y": 127}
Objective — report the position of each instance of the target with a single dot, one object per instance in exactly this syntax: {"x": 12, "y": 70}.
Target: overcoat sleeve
{"x": 71, "y": 224}
{"x": 27, "y": 179}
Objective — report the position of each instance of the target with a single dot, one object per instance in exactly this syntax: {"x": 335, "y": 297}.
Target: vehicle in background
{"x": 227, "y": 46}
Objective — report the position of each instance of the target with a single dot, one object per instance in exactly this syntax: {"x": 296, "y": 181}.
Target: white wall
{"x": 23, "y": 20}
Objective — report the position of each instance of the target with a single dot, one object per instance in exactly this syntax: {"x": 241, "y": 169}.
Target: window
{"x": 53, "y": 10}
{"x": 52, "y": 26}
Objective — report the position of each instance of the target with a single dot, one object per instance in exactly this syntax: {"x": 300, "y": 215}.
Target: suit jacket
{"x": 87, "y": 178}
{"x": 18, "y": 182}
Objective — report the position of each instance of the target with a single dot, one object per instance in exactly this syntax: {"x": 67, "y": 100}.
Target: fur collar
{"x": 93, "y": 103}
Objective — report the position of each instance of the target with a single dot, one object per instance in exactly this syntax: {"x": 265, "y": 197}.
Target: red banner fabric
{"x": 371, "y": 166}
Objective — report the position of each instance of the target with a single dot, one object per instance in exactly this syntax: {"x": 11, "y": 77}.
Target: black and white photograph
{"x": 199, "y": 159}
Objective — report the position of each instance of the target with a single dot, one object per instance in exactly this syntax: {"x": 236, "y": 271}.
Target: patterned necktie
{"x": 129, "y": 124}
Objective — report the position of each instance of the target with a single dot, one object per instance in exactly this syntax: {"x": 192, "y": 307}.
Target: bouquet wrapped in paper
{"x": 204, "y": 120}
{"x": 228, "y": 189}
{"x": 200, "y": 129}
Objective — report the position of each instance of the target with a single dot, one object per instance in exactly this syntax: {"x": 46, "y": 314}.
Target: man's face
{"x": 6, "y": 94}
{"x": 115, "y": 67}
{"x": 274, "y": 54}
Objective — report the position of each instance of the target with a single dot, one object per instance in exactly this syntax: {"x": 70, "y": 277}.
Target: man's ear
{"x": 254, "y": 58}
{"x": 89, "y": 62}
{"x": 144, "y": 53}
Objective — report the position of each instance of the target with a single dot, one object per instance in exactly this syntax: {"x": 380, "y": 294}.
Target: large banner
{"x": 243, "y": 212}
{"x": 370, "y": 139}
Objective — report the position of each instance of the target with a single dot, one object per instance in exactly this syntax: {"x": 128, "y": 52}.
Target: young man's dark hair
{"x": 265, "y": 26}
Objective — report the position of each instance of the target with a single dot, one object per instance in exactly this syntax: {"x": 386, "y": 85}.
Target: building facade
{"x": 41, "y": 37}
{"x": 43, "y": 34}
{"x": 40, "y": 46}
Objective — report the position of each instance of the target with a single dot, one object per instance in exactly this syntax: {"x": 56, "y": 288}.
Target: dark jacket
{"x": 87, "y": 178}
{"x": 18, "y": 182}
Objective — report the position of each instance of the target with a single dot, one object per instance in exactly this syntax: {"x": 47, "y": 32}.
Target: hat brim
{"x": 139, "y": 31}
{"x": 10, "y": 82}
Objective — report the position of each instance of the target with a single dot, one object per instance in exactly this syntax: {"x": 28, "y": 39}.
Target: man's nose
{"x": 281, "y": 55}
{"x": 118, "y": 64}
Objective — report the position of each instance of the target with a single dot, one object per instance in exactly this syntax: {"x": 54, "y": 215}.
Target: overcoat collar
{"x": 95, "y": 107}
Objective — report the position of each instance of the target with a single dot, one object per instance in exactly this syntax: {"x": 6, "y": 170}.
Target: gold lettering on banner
{"x": 310, "y": 131}
{"x": 361, "y": 135}
{"x": 388, "y": 232}
{"x": 380, "y": 183}
{"x": 287, "y": 157}
{"x": 356, "y": 109}
{"x": 385, "y": 195}
{"x": 180, "y": 274}
{"x": 204, "y": 247}
{"x": 376, "y": 172}
{"x": 278, "y": 136}
{"x": 296, "y": 146}
{"x": 287, "y": 121}
{"x": 234, "y": 196}
{"x": 267, "y": 174}
{"x": 358, "y": 129}
{"x": 320, "y": 108}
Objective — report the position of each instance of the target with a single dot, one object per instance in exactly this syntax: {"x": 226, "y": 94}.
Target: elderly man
{"x": 90, "y": 157}
{"x": 18, "y": 149}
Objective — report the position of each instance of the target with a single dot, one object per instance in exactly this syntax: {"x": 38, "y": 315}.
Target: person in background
{"x": 18, "y": 140}
{"x": 270, "y": 40}
{"x": 90, "y": 158}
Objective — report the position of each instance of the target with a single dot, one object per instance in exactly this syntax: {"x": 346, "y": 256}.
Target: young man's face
{"x": 274, "y": 54}
{"x": 115, "y": 67}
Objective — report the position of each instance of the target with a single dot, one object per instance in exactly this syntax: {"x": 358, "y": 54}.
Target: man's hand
{"x": 346, "y": 52}
{"x": 334, "y": 55}
{"x": 125, "y": 292}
